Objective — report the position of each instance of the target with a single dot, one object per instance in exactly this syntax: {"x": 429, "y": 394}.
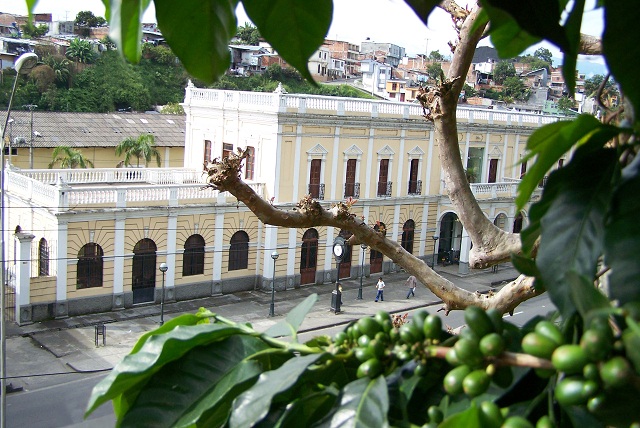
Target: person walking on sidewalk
{"x": 411, "y": 282}
{"x": 380, "y": 288}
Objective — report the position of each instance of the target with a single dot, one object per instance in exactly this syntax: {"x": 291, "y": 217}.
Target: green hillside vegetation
{"x": 111, "y": 84}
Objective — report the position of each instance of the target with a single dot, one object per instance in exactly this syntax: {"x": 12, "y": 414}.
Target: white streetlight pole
{"x": 22, "y": 65}
{"x": 163, "y": 269}
{"x": 272, "y": 307}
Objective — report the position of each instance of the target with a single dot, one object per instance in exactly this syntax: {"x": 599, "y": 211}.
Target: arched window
{"x": 90, "y": 266}
{"x": 407, "y": 235}
{"x": 43, "y": 258}
{"x": 193, "y": 258}
{"x": 239, "y": 251}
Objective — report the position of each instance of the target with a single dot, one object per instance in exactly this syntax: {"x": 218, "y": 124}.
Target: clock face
{"x": 337, "y": 250}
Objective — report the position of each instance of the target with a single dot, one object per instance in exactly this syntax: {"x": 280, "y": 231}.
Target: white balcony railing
{"x": 84, "y": 188}
{"x": 338, "y": 106}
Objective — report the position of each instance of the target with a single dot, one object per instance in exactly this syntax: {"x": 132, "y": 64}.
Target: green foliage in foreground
{"x": 204, "y": 370}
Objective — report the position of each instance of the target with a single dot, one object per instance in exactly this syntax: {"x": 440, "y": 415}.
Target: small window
{"x": 43, "y": 258}
{"x": 227, "y": 149}
{"x": 239, "y": 251}
{"x": 207, "y": 152}
{"x": 250, "y": 163}
{"x": 193, "y": 258}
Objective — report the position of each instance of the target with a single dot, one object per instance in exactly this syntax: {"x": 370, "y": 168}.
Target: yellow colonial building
{"x": 89, "y": 240}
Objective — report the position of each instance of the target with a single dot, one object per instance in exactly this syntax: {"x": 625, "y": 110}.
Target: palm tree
{"x": 143, "y": 147}
{"x": 69, "y": 158}
{"x": 81, "y": 51}
{"x": 60, "y": 66}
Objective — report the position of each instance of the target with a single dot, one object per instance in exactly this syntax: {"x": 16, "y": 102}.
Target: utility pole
{"x": 31, "y": 107}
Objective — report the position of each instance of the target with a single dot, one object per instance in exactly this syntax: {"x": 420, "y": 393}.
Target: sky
{"x": 385, "y": 21}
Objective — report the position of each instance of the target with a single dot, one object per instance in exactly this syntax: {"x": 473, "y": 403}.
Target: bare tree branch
{"x": 590, "y": 45}
{"x": 224, "y": 175}
{"x": 491, "y": 245}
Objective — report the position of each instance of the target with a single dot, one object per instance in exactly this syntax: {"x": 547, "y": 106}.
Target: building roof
{"x": 52, "y": 129}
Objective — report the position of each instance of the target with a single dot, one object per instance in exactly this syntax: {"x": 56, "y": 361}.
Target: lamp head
{"x": 275, "y": 255}
{"x": 163, "y": 267}
{"x": 26, "y": 62}
{"x": 363, "y": 246}
{"x": 435, "y": 237}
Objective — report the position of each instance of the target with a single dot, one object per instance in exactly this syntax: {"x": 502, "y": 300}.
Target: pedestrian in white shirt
{"x": 380, "y": 288}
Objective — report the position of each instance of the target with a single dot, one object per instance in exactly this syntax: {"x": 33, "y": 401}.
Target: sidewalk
{"x": 70, "y": 342}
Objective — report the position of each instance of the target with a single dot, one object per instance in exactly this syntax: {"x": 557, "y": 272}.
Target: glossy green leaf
{"x": 292, "y": 322}
{"x": 184, "y": 320}
{"x": 584, "y": 294}
{"x": 622, "y": 236}
{"x": 168, "y": 397}
{"x": 570, "y": 57}
{"x": 621, "y": 49}
{"x": 422, "y": 8}
{"x": 541, "y": 19}
{"x": 135, "y": 369}
{"x": 294, "y": 28}
{"x": 199, "y": 32}
{"x": 525, "y": 265}
{"x": 631, "y": 340}
{"x": 253, "y": 404}
{"x": 306, "y": 410}
{"x": 214, "y": 409}
{"x": 551, "y": 141}
{"x": 469, "y": 418}
{"x": 572, "y": 230}
{"x": 506, "y": 35}
{"x": 364, "y": 403}
{"x": 125, "y": 28}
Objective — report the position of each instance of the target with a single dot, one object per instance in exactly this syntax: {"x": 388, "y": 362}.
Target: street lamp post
{"x": 272, "y": 308}
{"x": 339, "y": 249}
{"x": 22, "y": 65}
{"x": 435, "y": 239}
{"x": 10, "y": 121}
{"x": 163, "y": 269}
{"x": 364, "y": 249}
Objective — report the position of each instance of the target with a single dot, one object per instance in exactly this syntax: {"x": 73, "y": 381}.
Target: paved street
{"x": 51, "y": 353}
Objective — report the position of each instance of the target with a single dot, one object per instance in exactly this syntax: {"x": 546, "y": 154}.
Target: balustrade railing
{"x": 415, "y": 187}
{"x": 116, "y": 175}
{"x": 62, "y": 196}
{"x": 349, "y": 106}
{"x": 317, "y": 191}
{"x": 384, "y": 188}
{"x": 352, "y": 190}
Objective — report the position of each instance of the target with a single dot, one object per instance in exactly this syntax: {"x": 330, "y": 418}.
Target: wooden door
{"x": 144, "y": 271}
{"x": 314, "y": 178}
{"x": 413, "y": 177}
{"x": 309, "y": 257}
{"x": 493, "y": 170}
{"x": 383, "y": 176}
{"x": 350, "y": 178}
{"x": 345, "y": 265}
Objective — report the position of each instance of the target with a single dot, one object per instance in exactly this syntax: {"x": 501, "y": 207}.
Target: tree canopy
{"x": 67, "y": 157}
{"x": 142, "y": 148}
{"x": 580, "y": 247}
{"x": 502, "y": 71}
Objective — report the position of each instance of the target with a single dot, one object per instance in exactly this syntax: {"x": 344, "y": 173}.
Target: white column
{"x": 400, "y": 184}
{"x": 430, "y": 161}
{"x": 485, "y": 162}
{"x": 334, "y": 167}
{"x": 270, "y": 245}
{"x": 61, "y": 309}
{"x": 465, "y": 247}
{"x": 396, "y": 223}
{"x": 328, "y": 254}
{"x": 291, "y": 254}
{"x": 296, "y": 161}
{"x": 423, "y": 229}
{"x": 172, "y": 226}
{"x": 219, "y": 247}
{"x": 503, "y": 160}
{"x": 23, "y": 276}
{"x": 118, "y": 261}
{"x": 368, "y": 179}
